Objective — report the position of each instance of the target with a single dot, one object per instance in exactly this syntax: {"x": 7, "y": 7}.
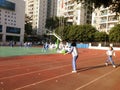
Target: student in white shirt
{"x": 110, "y": 53}
{"x": 73, "y": 50}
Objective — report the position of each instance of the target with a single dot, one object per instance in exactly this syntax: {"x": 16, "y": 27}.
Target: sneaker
{"x": 106, "y": 64}
{"x": 74, "y": 71}
{"x": 114, "y": 66}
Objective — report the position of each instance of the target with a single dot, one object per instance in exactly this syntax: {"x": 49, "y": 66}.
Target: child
{"x": 73, "y": 50}
{"x": 110, "y": 53}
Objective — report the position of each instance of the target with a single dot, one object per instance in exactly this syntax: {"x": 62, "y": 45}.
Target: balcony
{"x": 70, "y": 20}
{"x": 70, "y": 5}
{"x": 70, "y": 10}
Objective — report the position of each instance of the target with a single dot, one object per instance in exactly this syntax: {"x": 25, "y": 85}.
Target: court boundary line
{"x": 37, "y": 71}
{"x": 66, "y": 75}
{"x": 96, "y": 79}
{"x": 29, "y": 66}
{"x": 56, "y": 62}
{"x": 33, "y": 84}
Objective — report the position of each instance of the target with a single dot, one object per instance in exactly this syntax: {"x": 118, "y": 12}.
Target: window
{"x": 13, "y": 30}
{"x": 5, "y": 19}
{"x": 14, "y": 38}
{"x": 104, "y": 12}
{"x": 0, "y": 28}
{"x": 7, "y": 5}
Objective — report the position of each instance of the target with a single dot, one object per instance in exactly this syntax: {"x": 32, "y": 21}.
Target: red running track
{"x": 53, "y": 72}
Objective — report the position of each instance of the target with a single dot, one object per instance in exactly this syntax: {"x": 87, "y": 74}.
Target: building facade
{"x": 60, "y": 8}
{"x": 37, "y": 10}
{"x": 51, "y": 8}
{"x": 103, "y": 19}
{"x": 12, "y": 18}
{"x": 77, "y": 13}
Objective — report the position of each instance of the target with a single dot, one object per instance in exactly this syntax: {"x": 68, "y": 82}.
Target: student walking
{"x": 73, "y": 50}
{"x": 45, "y": 47}
{"x": 110, "y": 52}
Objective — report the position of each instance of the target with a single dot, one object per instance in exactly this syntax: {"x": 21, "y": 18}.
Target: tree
{"x": 28, "y": 25}
{"x": 54, "y": 22}
{"x": 101, "y": 36}
{"x": 87, "y": 33}
{"x": 114, "y": 35}
{"x": 82, "y": 33}
{"x": 113, "y": 4}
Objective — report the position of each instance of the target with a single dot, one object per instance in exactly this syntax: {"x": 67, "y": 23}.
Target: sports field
{"x": 53, "y": 72}
{"x": 18, "y": 51}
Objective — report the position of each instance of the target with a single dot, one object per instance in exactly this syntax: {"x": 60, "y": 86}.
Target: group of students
{"x": 74, "y": 51}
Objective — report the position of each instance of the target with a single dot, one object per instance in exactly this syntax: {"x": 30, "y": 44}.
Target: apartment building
{"x": 104, "y": 19}
{"x": 29, "y": 5}
{"x": 12, "y": 18}
{"x": 60, "y": 8}
{"x": 37, "y": 10}
{"x": 76, "y": 12}
{"x": 51, "y": 8}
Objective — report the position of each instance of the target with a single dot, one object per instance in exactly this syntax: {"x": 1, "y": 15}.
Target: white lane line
{"x": 38, "y": 65}
{"x": 85, "y": 85}
{"x": 33, "y": 84}
{"x": 38, "y": 71}
{"x": 35, "y": 72}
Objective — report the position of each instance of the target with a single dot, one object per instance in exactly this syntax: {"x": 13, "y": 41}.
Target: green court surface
{"x": 19, "y": 51}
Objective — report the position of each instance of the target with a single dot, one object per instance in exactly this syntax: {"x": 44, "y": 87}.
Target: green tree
{"x": 87, "y": 33}
{"x": 28, "y": 25}
{"x": 113, "y": 4}
{"x": 114, "y": 35}
{"x": 28, "y": 28}
{"x": 54, "y": 22}
{"x": 51, "y": 23}
{"x": 101, "y": 36}
{"x": 82, "y": 33}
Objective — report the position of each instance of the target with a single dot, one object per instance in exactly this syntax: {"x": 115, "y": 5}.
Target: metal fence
{"x": 103, "y": 44}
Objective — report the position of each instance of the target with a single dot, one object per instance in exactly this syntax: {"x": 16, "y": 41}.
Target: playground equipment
{"x": 54, "y": 34}
{"x": 57, "y": 36}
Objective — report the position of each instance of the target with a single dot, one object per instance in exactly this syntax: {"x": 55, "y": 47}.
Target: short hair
{"x": 111, "y": 48}
{"x": 73, "y": 44}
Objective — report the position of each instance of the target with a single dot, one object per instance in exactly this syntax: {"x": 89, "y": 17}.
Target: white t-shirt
{"x": 110, "y": 52}
{"x": 74, "y": 51}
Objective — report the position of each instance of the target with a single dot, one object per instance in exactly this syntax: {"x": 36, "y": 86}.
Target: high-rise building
{"x": 37, "y": 10}
{"x": 76, "y": 12}
{"x": 104, "y": 19}
{"x": 12, "y": 18}
{"x": 51, "y": 8}
{"x": 60, "y": 8}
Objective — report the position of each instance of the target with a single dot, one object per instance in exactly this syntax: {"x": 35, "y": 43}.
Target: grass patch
{"x": 19, "y": 51}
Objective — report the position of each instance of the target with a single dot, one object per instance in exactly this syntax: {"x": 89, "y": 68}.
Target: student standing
{"x": 74, "y": 52}
{"x": 110, "y": 52}
{"x": 45, "y": 47}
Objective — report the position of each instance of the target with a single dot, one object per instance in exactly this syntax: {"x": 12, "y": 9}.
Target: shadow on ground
{"x": 94, "y": 67}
